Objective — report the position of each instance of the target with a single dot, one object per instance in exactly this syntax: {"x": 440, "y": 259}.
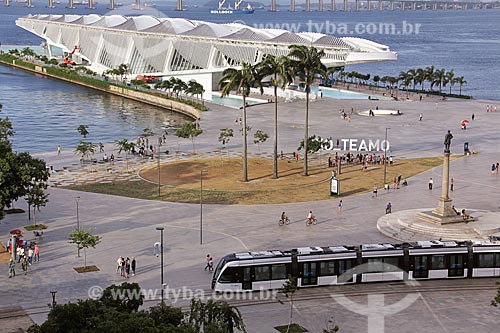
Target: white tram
{"x": 336, "y": 265}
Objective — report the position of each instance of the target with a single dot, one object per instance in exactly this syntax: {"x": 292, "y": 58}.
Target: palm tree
{"x": 406, "y": 80}
{"x": 449, "y": 78}
{"x": 241, "y": 80}
{"x": 429, "y": 74}
{"x": 195, "y": 88}
{"x": 439, "y": 78}
{"x": 306, "y": 62}
{"x": 278, "y": 69}
{"x": 461, "y": 81}
{"x": 420, "y": 77}
{"x": 412, "y": 75}
{"x": 179, "y": 86}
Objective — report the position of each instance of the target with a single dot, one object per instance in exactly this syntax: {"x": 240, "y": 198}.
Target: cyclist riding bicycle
{"x": 311, "y": 216}
{"x": 284, "y": 217}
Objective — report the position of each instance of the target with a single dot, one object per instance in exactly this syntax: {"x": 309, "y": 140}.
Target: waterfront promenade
{"x": 127, "y": 226}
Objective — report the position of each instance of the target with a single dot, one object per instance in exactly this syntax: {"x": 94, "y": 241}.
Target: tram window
{"x": 278, "y": 272}
{"x": 375, "y": 265}
{"x": 344, "y": 266}
{"x": 262, "y": 273}
{"x": 438, "y": 262}
{"x": 485, "y": 260}
{"x": 230, "y": 275}
{"x": 497, "y": 259}
{"x": 391, "y": 264}
{"x": 327, "y": 268}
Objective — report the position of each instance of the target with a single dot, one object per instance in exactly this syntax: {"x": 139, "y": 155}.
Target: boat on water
{"x": 149, "y": 5}
{"x": 236, "y": 10}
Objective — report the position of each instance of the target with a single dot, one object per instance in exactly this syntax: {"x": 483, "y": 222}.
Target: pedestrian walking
{"x": 127, "y": 267}
{"x": 12, "y": 268}
{"x": 58, "y": 150}
{"x": 375, "y": 191}
{"x": 132, "y": 265}
{"x": 340, "y": 207}
{"x": 37, "y": 253}
{"x": 431, "y": 182}
{"x": 30, "y": 256}
{"x": 493, "y": 169}
{"x": 388, "y": 208}
{"x": 24, "y": 265}
{"x": 452, "y": 182}
{"x": 473, "y": 116}
{"x": 420, "y": 117}
{"x": 207, "y": 266}
{"x": 211, "y": 264}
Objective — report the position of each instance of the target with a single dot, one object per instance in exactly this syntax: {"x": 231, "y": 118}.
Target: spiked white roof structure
{"x": 171, "y": 46}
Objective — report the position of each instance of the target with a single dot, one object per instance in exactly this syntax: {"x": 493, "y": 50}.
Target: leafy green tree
{"x": 126, "y": 146}
{"x": 83, "y": 240}
{"x": 315, "y": 143}
{"x": 289, "y": 288}
{"x": 85, "y": 149}
{"x": 125, "y": 297}
{"x": 260, "y": 137}
{"x": 376, "y": 79}
{"x": 241, "y": 80}
{"x": 225, "y": 135}
{"x": 189, "y": 131}
{"x": 18, "y": 172}
{"x": 214, "y": 314}
{"x": 82, "y": 129}
{"x": 278, "y": 68}
{"x": 306, "y": 62}
{"x": 36, "y": 197}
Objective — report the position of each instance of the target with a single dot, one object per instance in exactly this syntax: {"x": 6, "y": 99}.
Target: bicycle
{"x": 286, "y": 221}
{"x": 310, "y": 221}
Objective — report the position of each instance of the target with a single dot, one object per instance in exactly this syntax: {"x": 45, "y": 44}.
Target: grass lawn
{"x": 223, "y": 185}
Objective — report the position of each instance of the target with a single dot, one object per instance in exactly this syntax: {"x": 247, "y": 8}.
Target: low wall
{"x": 135, "y": 95}
{"x": 156, "y": 100}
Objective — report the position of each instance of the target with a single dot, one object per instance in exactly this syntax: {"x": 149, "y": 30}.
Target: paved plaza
{"x": 127, "y": 226}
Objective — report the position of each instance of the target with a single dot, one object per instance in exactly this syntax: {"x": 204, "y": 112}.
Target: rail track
{"x": 308, "y": 294}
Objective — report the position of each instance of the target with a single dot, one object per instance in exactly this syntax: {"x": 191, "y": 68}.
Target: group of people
{"x": 125, "y": 266}
{"x": 25, "y": 253}
{"x": 491, "y": 108}
{"x": 364, "y": 159}
{"x": 109, "y": 159}
{"x": 210, "y": 263}
{"x": 494, "y": 169}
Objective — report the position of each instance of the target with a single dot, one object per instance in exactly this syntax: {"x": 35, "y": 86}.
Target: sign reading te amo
{"x": 355, "y": 145}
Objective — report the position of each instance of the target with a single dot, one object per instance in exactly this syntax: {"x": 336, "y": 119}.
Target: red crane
{"x": 67, "y": 59}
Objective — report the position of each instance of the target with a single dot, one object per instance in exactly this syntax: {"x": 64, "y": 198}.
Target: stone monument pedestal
{"x": 444, "y": 213}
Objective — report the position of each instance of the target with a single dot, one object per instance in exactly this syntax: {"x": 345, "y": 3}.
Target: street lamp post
{"x": 161, "y": 250}
{"x": 54, "y": 303}
{"x": 159, "y": 166}
{"x": 201, "y": 204}
{"x": 77, "y": 199}
{"x": 385, "y": 157}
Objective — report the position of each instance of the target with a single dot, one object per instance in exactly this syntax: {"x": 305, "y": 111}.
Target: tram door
{"x": 310, "y": 276}
{"x": 456, "y": 265}
{"x": 421, "y": 270}
{"x": 247, "y": 278}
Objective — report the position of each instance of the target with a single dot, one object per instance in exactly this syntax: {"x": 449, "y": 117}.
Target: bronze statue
{"x": 447, "y": 141}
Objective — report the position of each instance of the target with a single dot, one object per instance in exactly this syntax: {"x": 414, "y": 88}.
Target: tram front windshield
{"x": 218, "y": 270}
